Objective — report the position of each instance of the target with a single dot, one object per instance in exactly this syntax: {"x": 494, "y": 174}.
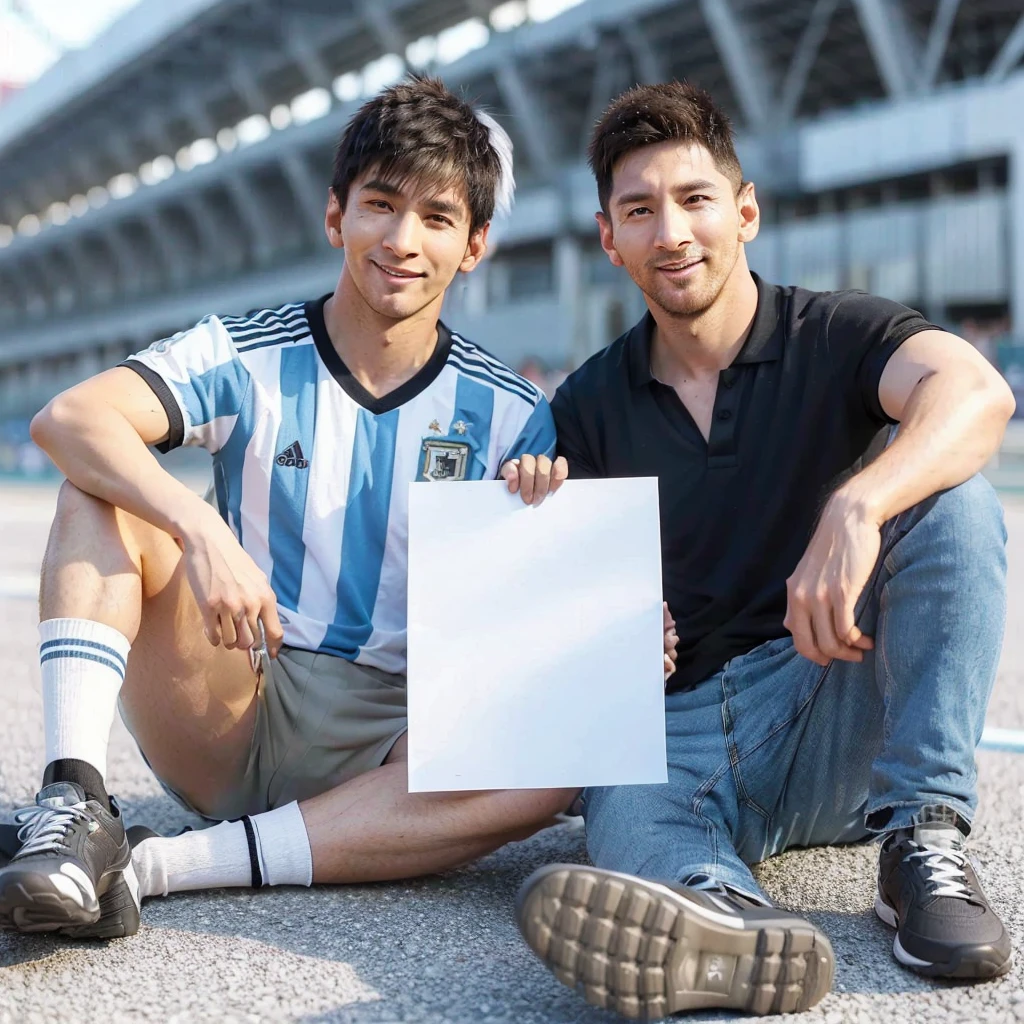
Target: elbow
{"x": 1001, "y": 401}
{"x": 41, "y": 427}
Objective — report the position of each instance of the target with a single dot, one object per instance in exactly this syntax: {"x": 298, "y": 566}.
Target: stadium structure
{"x": 179, "y": 165}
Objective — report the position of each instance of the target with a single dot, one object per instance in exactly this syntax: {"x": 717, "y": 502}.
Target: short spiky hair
{"x": 419, "y": 131}
{"x": 649, "y": 114}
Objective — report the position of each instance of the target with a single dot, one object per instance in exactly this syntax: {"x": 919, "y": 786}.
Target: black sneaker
{"x": 120, "y": 905}
{"x": 649, "y": 949}
{"x": 72, "y": 851}
{"x": 929, "y": 892}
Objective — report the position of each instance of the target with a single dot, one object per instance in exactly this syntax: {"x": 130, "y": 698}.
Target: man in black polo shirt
{"x": 839, "y": 619}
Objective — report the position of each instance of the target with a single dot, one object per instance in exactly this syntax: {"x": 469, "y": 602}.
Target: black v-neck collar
{"x": 419, "y": 382}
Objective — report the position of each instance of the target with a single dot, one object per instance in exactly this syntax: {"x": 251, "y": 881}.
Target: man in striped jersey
{"x": 318, "y": 415}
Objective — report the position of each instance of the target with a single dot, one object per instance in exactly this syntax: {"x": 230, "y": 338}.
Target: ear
{"x": 607, "y": 239}
{"x": 332, "y": 221}
{"x": 476, "y": 248}
{"x": 750, "y": 213}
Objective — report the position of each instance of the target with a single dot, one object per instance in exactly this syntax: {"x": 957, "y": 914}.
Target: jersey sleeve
{"x": 871, "y": 329}
{"x": 201, "y": 382}
{"x": 571, "y": 442}
{"x": 536, "y": 436}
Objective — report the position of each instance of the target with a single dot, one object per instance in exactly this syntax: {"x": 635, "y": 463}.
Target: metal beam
{"x": 804, "y": 56}
{"x": 1011, "y": 52}
{"x": 607, "y": 71}
{"x": 938, "y": 40}
{"x": 647, "y": 60}
{"x": 248, "y": 206}
{"x": 744, "y": 63}
{"x": 892, "y": 45}
{"x": 310, "y": 195}
{"x": 378, "y": 16}
{"x": 531, "y": 118}
{"x": 248, "y": 88}
{"x": 308, "y": 57}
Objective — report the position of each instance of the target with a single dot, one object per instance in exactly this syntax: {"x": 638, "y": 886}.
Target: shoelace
{"x": 945, "y": 871}
{"x": 43, "y": 829}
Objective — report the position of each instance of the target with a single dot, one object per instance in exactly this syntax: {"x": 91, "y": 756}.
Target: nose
{"x": 403, "y": 236}
{"x": 674, "y": 230}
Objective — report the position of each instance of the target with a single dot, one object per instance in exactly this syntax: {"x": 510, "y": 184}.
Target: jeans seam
{"x": 782, "y": 725}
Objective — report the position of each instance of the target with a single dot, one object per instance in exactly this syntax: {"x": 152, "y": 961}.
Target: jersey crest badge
{"x": 444, "y": 460}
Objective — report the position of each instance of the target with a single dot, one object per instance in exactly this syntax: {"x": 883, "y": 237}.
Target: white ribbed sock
{"x": 82, "y": 664}
{"x": 218, "y": 857}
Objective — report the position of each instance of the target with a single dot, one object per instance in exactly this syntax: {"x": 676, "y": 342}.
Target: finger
{"x": 666, "y": 616}
{"x": 510, "y": 471}
{"x": 542, "y": 480}
{"x": 527, "y": 471}
{"x": 825, "y": 638}
{"x": 559, "y": 474}
{"x": 669, "y": 668}
{"x": 211, "y": 628}
{"x": 247, "y": 631}
{"x": 846, "y": 625}
{"x": 272, "y": 630}
{"x": 798, "y": 622}
{"x": 228, "y": 635}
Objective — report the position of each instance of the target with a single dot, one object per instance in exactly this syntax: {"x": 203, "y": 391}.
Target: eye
{"x": 692, "y": 200}
{"x": 378, "y": 204}
{"x": 442, "y": 220}
{"x": 638, "y": 211}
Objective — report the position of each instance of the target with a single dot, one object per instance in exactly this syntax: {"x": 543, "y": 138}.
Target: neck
{"x": 380, "y": 352}
{"x": 707, "y": 342}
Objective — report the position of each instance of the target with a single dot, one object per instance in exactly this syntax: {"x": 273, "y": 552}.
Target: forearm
{"x": 100, "y": 452}
{"x": 951, "y": 426}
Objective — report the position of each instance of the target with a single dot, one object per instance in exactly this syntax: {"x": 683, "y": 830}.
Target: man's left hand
{"x": 533, "y": 478}
{"x": 824, "y": 590}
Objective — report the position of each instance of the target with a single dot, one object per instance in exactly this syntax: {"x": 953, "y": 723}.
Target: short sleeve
{"x": 873, "y": 328}
{"x": 537, "y": 436}
{"x": 571, "y": 442}
{"x": 201, "y": 382}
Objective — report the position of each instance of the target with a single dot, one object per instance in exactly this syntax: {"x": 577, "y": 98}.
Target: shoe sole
{"x": 638, "y": 948}
{"x": 30, "y": 907}
{"x": 976, "y": 962}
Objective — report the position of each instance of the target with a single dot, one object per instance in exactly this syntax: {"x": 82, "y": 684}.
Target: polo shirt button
{"x": 724, "y": 414}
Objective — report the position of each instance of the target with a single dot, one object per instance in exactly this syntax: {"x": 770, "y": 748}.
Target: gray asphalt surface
{"x": 442, "y": 949}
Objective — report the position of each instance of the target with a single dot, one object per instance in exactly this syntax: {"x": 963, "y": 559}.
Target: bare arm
{"x": 97, "y": 434}
{"x": 952, "y": 407}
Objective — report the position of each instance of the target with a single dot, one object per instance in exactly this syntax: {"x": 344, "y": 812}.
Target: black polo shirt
{"x": 794, "y": 412}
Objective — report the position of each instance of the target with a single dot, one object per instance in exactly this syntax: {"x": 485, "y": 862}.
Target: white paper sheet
{"x": 535, "y": 637}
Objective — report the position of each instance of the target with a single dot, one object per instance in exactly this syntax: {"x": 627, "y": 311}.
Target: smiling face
{"x": 677, "y": 224}
{"x": 404, "y": 243}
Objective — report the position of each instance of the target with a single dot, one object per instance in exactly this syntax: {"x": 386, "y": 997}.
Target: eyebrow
{"x": 434, "y": 205}
{"x": 697, "y": 185}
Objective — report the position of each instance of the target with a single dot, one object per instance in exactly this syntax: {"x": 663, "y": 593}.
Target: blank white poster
{"x": 535, "y": 637}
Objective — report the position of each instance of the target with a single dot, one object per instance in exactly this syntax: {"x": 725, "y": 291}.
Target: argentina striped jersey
{"x": 312, "y": 472}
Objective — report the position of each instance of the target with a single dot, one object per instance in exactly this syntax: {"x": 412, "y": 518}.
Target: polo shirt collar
{"x": 763, "y": 344}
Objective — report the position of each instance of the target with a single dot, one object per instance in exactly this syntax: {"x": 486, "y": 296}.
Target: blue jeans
{"x": 774, "y": 751}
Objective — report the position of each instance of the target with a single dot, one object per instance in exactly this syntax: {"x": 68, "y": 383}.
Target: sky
{"x": 34, "y": 32}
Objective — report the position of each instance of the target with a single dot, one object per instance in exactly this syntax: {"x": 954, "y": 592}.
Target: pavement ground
{"x": 441, "y": 949}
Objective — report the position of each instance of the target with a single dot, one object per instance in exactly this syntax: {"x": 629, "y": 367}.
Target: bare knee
{"x": 92, "y": 565}
{"x": 538, "y": 808}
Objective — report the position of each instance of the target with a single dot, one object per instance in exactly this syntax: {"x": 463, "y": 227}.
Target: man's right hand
{"x": 232, "y": 592}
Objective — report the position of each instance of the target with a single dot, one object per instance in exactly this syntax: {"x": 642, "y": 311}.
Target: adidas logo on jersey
{"x": 292, "y": 456}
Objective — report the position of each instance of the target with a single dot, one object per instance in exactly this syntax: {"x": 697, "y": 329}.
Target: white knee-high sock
{"x": 273, "y": 850}
{"x": 82, "y": 664}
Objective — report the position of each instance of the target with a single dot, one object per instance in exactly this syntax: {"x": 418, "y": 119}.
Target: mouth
{"x": 680, "y": 267}
{"x": 397, "y": 274}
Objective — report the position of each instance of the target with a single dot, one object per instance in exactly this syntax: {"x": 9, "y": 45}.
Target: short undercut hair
{"x": 649, "y": 114}
{"x": 420, "y": 133}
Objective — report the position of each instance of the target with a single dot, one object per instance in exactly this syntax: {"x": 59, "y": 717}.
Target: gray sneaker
{"x": 72, "y": 851}
{"x": 649, "y": 949}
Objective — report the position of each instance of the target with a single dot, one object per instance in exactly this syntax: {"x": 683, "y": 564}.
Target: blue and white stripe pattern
{"x": 315, "y": 484}
{"x": 87, "y": 650}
